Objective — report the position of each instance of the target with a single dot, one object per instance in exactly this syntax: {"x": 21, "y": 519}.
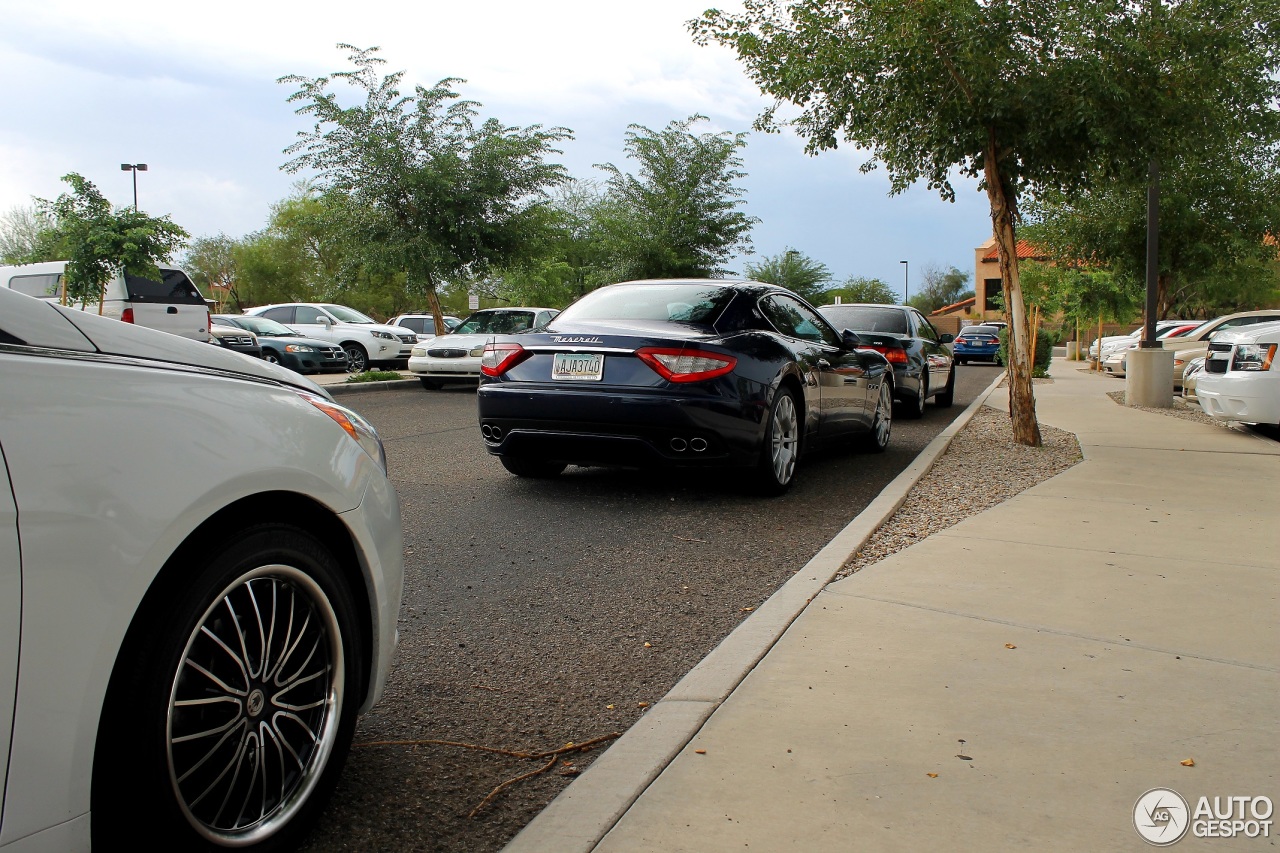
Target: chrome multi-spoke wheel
{"x": 785, "y": 439}
{"x": 782, "y": 445}
{"x": 233, "y": 701}
{"x": 252, "y": 714}
{"x": 882, "y": 421}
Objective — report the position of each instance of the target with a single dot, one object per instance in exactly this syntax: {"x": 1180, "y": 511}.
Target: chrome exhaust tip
{"x": 679, "y": 445}
{"x": 698, "y": 445}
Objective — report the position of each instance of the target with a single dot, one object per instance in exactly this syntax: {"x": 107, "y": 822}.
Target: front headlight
{"x": 418, "y": 352}
{"x": 386, "y": 336}
{"x": 1253, "y": 357}
{"x": 298, "y": 348}
{"x": 360, "y": 430}
{"x": 477, "y": 351}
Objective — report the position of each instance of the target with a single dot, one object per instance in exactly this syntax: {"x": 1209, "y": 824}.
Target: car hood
{"x": 458, "y": 341}
{"x": 1259, "y": 333}
{"x": 295, "y": 339}
{"x": 112, "y": 337}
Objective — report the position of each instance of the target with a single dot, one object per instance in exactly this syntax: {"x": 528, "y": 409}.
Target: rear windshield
{"x": 980, "y": 330}
{"x": 867, "y": 318}
{"x": 496, "y": 323}
{"x": 687, "y": 303}
{"x": 174, "y": 288}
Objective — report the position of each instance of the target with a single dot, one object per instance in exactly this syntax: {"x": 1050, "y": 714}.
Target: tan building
{"x": 986, "y": 277}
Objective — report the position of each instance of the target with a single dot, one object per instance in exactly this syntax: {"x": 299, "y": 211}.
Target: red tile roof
{"x": 1025, "y": 251}
{"x": 955, "y": 306}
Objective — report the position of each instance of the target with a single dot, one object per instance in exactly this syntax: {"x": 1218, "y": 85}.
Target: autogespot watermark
{"x": 1162, "y": 817}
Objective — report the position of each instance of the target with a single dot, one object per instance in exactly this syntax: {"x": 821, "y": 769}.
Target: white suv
{"x": 365, "y": 341}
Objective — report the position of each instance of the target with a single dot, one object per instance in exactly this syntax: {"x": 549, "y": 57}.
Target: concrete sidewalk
{"x": 1014, "y": 682}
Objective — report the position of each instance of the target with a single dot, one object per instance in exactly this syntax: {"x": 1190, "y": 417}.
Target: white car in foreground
{"x": 455, "y": 357}
{"x": 200, "y": 574}
{"x": 1241, "y": 376}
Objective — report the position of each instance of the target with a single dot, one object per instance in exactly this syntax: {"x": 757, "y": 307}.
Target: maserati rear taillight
{"x": 498, "y": 358}
{"x": 894, "y": 355}
{"x": 686, "y": 364}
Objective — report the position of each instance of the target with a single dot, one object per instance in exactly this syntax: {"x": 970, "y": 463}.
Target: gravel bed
{"x": 1180, "y": 409}
{"x": 982, "y": 455}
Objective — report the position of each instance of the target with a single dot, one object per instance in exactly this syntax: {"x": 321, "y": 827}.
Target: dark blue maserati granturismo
{"x": 682, "y": 372}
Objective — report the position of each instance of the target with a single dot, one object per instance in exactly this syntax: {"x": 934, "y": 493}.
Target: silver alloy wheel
{"x": 883, "y": 424}
{"x": 271, "y": 357}
{"x": 357, "y": 359}
{"x": 785, "y": 439}
{"x": 255, "y": 706}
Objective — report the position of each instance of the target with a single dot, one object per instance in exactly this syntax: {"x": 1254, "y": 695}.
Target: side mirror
{"x": 850, "y": 339}
{"x": 946, "y": 339}
{"x": 325, "y": 321}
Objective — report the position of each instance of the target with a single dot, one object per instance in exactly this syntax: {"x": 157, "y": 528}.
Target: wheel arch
{"x": 265, "y": 508}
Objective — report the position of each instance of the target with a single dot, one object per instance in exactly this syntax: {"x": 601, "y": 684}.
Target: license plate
{"x": 578, "y": 366}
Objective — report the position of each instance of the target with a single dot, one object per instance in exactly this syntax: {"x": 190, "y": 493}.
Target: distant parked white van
{"x": 172, "y": 304}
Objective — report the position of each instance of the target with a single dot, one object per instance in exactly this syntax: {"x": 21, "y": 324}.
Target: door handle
{"x": 824, "y": 364}
{"x": 171, "y": 310}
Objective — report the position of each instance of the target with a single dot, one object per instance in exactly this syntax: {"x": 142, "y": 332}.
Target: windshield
{"x": 495, "y": 322}
{"x": 867, "y": 318}
{"x": 265, "y": 328}
{"x": 347, "y": 315}
{"x": 688, "y": 303}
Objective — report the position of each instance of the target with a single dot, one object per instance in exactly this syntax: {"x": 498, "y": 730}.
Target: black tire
{"x": 913, "y": 408}
{"x": 270, "y": 355}
{"x": 429, "y": 384}
{"x": 877, "y": 440}
{"x": 537, "y": 469}
{"x": 164, "y": 758}
{"x": 357, "y": 358}
{"x": 944, "y": 398}
{"x": 780, "y": 453}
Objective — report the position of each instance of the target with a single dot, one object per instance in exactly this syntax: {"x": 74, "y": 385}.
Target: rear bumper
{"x": 634, "y": 430}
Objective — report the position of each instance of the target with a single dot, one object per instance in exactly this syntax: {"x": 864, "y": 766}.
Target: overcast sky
{"x": 189, "y": 89}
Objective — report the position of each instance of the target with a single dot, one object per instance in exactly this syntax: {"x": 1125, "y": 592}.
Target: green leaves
{"x": 101, "y": 242}
{"x": 418, "y": 184}
{"x": 678, "y": 215}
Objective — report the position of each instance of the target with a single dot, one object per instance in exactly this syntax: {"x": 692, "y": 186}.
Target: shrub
{"x": 1046, "y": 340}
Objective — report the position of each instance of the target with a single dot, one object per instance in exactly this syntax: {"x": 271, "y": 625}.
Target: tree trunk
{"x": 433, "y": 301}
{"x": 1022, "y": 401}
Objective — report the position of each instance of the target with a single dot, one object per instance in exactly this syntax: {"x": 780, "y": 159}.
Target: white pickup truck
{"x": 1196, "y": 344}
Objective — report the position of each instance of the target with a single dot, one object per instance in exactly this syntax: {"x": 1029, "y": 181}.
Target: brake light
{"x": 498, "y": 358}
{"x": 127, "y": 315}
{"x": 686, "y": 364}
{"x": 894, "y": 355}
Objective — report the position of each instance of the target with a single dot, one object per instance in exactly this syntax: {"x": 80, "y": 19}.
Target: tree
{"x": 102, "y": 243}
{"x": 678, "y": 216}
{"x": 940, "y": 288}
{"x": 793, "y": 270}
{"x": 1217, "y": 208}
{"x": 27, "y": 236}
{"x": 211, "y": 263}
{"x": 416, "y": 186}
{"x": 1025, "y": 95}
{"x": 858, "y": 289}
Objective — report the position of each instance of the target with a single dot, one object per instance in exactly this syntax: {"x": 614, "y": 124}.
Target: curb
{"x": 339, "y": 389}
{"x": 583, "y": 813}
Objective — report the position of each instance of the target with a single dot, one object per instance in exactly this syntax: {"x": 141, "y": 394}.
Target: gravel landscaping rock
{"x": 983, "y": 466}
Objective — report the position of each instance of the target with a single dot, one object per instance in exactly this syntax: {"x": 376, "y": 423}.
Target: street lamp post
{"x": 135, "y": 168}
{"x": 906, "y": 268}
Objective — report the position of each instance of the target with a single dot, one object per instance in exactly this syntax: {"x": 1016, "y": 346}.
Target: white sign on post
{"x": 473, "y": 301}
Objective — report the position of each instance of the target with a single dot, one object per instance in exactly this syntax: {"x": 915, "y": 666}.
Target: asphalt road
{"x": 539, "y": 613}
